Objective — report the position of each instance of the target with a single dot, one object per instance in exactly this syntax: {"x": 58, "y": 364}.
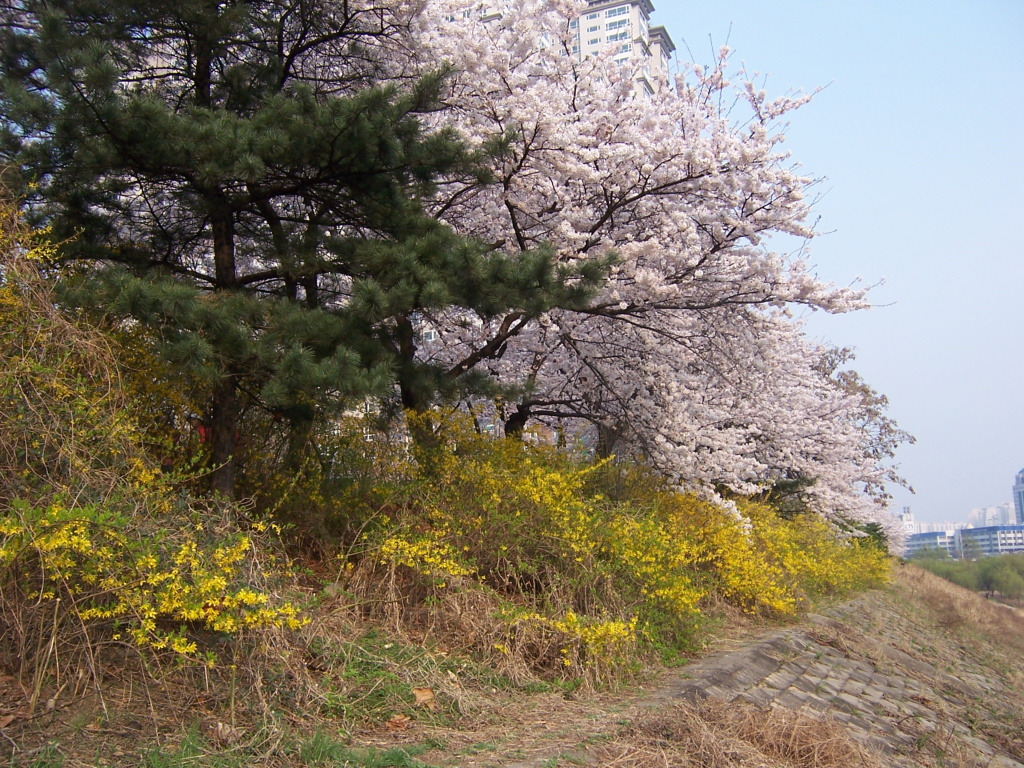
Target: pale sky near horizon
{"x": 920, "y": 135}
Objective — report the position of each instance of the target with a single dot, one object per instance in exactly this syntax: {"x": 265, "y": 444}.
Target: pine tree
{"x": 247, "y": 178}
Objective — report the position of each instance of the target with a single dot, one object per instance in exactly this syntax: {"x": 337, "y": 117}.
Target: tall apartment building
{"x": 999, "y": 514}
{"x": 913, "y": 528}
{"x": 1018, "y": 497}
{"x": 626, "y": 26}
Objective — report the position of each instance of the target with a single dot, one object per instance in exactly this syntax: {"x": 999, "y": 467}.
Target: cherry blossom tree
{"x": 689, "y": 356}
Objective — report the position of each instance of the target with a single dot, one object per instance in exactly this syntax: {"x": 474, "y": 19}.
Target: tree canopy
{"x": 308, "y": 203}
{"x": 247, "y": 178}
{"x": 690, "y": 356}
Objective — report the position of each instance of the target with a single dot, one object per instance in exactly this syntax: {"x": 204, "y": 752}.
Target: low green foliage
{"x": 1002, "y": 573}
{"x": 320, "y": 750}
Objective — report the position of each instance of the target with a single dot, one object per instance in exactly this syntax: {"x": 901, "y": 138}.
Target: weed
{"x": 190, "y": 750}
{"x": 320, "y": 749}
{"x": 391, "y": 758}
{"x": 478, "y": 748}
{"x": 48, "y": 756}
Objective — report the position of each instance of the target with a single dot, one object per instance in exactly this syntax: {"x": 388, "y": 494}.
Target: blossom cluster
{"x": 157, "y": 590}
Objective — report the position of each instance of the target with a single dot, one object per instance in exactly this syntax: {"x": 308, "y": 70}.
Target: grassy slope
{"x": 354, "y": 714}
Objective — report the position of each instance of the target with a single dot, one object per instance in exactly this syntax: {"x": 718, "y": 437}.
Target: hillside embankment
{"x": 920, "y": 674}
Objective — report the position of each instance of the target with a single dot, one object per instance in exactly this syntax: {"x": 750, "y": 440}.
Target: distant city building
{"x": 993, "y": 530}
{"x": 907, "y": 518}
{"x": 991, "y": 540}
{"x": 1018, "y": 498}
{"x": 999, "y": 514}
{"x": 938, "y": 527}
{"x": 934, "y": 540}
{"x": 911, "y": 527}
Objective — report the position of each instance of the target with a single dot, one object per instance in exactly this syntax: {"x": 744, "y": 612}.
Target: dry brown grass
{"x": 61, "y": 430}
{"x": 974, "y": 637}
{"x": 302, "y": 677}
{"x": 954, "y": 607}
{"x": 714, "y": 734}
{"x": 464, "y": 617}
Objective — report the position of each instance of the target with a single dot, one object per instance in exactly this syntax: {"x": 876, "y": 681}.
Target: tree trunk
{"x": 607, "y": 439}
{"x": 224, "y": 406}
{"x": 427, "y": 444}
{"x": 223, "y": 426}
{"x": 515, "y": 423}
{"x": 300, "y": 435}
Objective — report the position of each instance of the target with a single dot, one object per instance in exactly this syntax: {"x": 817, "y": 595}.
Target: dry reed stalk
{"x": 714, "y": 734}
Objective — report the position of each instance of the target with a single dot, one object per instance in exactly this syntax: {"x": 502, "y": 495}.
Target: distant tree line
{"x": 1002, "y": 574}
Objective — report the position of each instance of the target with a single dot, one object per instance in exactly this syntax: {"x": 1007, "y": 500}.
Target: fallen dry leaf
{"x": 224, "y": 733}
{"x": 425, "y": 698}
{"x": 397, "y": 722}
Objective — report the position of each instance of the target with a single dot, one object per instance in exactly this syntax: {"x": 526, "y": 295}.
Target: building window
{"x": 624, "y": 35}
{"x": 617, "y": 24}
{"x": 594, "y": 28}
{"x": 592, "y": 16}
{"x": 574, "y": 23}
{"x": 622, "y": 10}
{"x": 595, "y": 41}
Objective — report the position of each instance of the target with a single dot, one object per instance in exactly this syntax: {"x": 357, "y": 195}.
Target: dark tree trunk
{"x": 412, "y": 398}
{"x": 427, "y": 443}
{"x": 300, "y": 434}
{"x": 223, "y": 427}
{"x": 224, "y": 406}
{"x": 515, "y": 423}
{"x": 607, "y": 439}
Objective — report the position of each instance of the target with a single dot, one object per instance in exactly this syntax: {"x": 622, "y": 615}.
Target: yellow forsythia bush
{"x": 96, "y": 549}
{"x": 816, "y": 558}
{"x": 157, "y": 588}
{"x": 600, "y": 577}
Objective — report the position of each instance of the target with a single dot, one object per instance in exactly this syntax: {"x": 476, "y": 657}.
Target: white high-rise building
{"x": 907, "y": 518}
{"x": 1000, "y": 514}
{"x": 1018, "y": 498}
{"x": 626, "y": 27}
{"x": 913, "y": 528}
{"x": 621, "y": 25}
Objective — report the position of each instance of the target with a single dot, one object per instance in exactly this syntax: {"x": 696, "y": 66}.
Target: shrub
{"x": 98, "y": 552}
{"x": 580, "y": 578}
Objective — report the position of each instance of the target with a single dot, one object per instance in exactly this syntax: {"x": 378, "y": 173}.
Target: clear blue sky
{"x": 920, "y": 133}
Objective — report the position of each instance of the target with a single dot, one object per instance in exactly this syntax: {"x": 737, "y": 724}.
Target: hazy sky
{"x": 919, "y": 134}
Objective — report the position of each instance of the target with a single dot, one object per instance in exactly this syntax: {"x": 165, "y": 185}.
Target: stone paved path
{"x": 881, "y": 704}
{"x": 923, "y": 675}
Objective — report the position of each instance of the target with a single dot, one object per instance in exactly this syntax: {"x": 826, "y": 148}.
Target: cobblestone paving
{"x": 890, "y": 700}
